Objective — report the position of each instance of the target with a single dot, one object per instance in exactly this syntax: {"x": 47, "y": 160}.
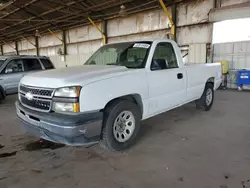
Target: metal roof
{"x": 21, "y": 18}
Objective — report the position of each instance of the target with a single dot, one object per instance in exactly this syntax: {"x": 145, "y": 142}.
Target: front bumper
{"x": 75, "y": 130}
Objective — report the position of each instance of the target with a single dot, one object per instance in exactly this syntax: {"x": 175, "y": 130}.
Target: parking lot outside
{"x": 180, "y": 148}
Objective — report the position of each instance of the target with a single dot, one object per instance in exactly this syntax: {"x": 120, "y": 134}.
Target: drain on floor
{"x": 42, "y": 144}
{"x": 1, "y": 146}
{"x": 3, "y": 155}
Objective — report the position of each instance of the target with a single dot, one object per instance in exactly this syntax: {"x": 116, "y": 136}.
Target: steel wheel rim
{"x": 124, "y": 126}
{"x": 209, "y": 96}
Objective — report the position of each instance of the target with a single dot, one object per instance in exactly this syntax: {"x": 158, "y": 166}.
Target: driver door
{"x": 11, "y": 76}
{"x": 167, "y": 81}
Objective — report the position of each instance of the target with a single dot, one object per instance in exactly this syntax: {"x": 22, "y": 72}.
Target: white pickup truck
{"x": 105, "y": 99}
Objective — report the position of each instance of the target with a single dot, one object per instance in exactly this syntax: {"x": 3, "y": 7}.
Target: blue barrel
{"x": 243, "y": 78}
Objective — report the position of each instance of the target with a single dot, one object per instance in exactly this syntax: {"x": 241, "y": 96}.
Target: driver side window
{"x": 164, "y": 57}
{"x": 14, "y": 66}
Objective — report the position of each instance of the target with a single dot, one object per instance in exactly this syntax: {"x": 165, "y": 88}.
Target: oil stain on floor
{"x": 42, "y": 144}
{"x": 4, "y": 155}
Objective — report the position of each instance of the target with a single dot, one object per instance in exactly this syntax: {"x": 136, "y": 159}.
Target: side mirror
{"x": 7, "y": 71}
{"x": 158, "y": 64}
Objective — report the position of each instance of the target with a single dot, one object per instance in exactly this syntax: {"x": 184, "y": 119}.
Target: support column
{"x": 64, "y": 42}
{"x": 16, "y": 47}
{"x": 174, "y": 21}
{"x": 37, "y": 46}
{"x": 2, "y": 49}
{"x": 217, "y": 3}
{"x": 105, "y": 29}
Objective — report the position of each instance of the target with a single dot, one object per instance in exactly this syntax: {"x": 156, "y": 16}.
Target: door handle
{"x": 179, "y": 75}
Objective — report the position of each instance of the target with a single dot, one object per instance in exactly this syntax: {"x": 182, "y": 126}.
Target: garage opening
{"x": 231, "y": 42}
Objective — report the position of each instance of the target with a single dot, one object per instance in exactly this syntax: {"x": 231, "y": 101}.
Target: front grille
{"x": 41, "y": 98}
{"x": 37, "y": 91}
{"x": 36, "y": 103}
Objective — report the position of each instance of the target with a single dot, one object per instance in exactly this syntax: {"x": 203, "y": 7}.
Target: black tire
{"x": 1, "y": 97}
{"x": 201, "y": 103}
{"x": 108, "y": 140}
{"x": 2, "y": 94}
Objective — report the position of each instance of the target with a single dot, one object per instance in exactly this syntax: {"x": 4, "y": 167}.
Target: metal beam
{"x": 15, "y": 31}
{"x": 19, "y": 8}
{"x": 98, "y": 7}
{"x": 30, "y": 12}
{"x": 29, "y": 41}
{"x": 5, "y": 5}
{"x": 34, "y": 27}
{"x": 37, "y": 20}
{"x": 103, "y": 35}
{"x": 169, "y": 17}
{"x": 59, "y": 2}
{"x": 237, "y": 11}
{"x": 76, "y": 11}
{"x": 55, "y": 35}
{"x": 42, "y": 14}
{"x": 9, "y": 45}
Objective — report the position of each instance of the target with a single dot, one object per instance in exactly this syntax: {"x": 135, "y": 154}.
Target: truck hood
{"x": 78, "y": 75}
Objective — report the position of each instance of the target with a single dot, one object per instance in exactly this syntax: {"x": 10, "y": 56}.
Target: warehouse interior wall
{"x": 193, "y": 30}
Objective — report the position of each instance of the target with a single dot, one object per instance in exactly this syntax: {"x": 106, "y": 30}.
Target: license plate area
{"x": 35, "y": 121}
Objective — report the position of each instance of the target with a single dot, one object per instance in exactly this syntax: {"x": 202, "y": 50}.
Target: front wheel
{"x": 206, "y": 101}
{"x": 121, "y": 125}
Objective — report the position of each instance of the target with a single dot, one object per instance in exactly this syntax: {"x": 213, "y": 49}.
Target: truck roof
{"x": 146, "y": 40}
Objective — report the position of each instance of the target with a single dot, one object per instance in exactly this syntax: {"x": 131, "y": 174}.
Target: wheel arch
{"x": 210, "y": 80}
{"x": 136, "y": 98}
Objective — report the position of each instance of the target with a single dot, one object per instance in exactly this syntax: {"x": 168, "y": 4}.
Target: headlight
{"x": 65, "y": 107}
{"x": 68, "y": 92}
{"x": 66, "y": 99}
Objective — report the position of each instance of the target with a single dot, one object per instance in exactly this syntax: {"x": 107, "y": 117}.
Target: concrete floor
{"x": 182, "y": 148}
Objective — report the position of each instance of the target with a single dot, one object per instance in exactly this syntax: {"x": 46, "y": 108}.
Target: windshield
{"x": 1, "y": 62}
{"x": 129, "y": 54}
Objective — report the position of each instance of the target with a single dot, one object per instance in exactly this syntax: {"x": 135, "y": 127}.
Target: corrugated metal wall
{"x": 197, "y": 53}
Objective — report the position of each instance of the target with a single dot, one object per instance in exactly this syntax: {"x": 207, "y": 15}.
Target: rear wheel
{"x": 206, "y": 101}
{"x": 121, "y": 125}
